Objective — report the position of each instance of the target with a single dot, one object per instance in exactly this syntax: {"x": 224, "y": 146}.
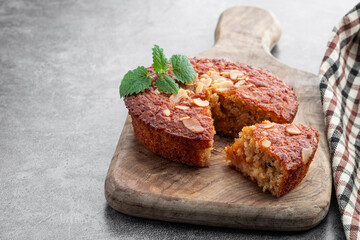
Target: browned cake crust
{"x": 188, "y": 151}
{"x": 159, "y": 125}
{"x": 181, "y": 127}
{"x": 257, "y": 95}
{"x": 276, "y": 156}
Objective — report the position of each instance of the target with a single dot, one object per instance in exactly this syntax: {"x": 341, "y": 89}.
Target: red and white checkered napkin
{"x": 340, "y": 93}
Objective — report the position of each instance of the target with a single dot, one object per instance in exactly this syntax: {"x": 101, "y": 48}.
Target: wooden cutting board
{"x": 139, "y": 183}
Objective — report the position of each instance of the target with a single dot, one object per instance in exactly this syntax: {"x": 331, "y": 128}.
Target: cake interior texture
{"x": 262, "y": 168}
{"x": 231, "y": 114}
{"x": 275, "y": 156}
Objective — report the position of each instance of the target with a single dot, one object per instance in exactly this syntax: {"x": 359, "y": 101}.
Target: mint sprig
{"x": 182, "y": 68}
{"x": 135, "y": 81}
{"x": 138, "y": 80}
{"x": 167, "y": 84}
{"x": 160, "y": 62}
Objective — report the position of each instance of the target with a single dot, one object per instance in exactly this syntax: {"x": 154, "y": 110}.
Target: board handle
{"x": 252, "y": 25}
{"x": 245, "y": 33}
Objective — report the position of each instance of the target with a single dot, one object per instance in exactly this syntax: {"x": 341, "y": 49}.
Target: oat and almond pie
{"x": 224, "y": 96}
{"x": 275, "y": 156}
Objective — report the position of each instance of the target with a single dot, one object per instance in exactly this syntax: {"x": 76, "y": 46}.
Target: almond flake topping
{"x": 200, "y": 103}
{"x": 225, "y": 74}
{"x": 245, "y": 86}
{"x": 182, "y": 94}
{"x": 204, "y": 76}
{"x": 268, "y": 125}
{"x": 239, "y": 83}
{"x": 184, "y": 118}
{"x": 265, "y": 143}
{"x": 306, "y": 154}
{"x": 182, "y": 107}
{"x": 199, "y": 87}
{"x": 292, "y": 129}
{"x": 223, "y": 86}
{"x": 315, "y": 140}
{"x": 235, "y": 73}
{"x": 213, "y": 73}
{"x": 193, "y": 125}
{"x": 166, "y": 112}
{"x": 219, "y": 79}
{"x": 207, "y": 82}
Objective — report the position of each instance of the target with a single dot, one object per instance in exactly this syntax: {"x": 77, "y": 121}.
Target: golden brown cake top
{"x": 184, "y": 115}
{"x": 292, "y": 144}
{"x": 184, "y": 119}
{"x": 256, "y": 87}
{"x": 188, "y": 115}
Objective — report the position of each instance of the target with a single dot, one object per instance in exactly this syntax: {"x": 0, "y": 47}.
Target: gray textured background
{"x": 60, "y": 114}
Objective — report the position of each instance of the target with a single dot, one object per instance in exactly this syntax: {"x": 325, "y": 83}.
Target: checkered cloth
{"x": 340, "y": 93}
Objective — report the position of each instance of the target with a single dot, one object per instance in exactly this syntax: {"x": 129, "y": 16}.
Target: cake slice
{"x": 275, "y": 156}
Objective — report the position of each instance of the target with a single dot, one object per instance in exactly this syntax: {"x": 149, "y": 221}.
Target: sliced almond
{"x": 292, "y": 129}
{"x": 218, "y": 79}
{"x": 166, "y": 112}
{"x": 306, "y": 154}
{"x": 222, "y": 89}
{"x": 315, "y": 140}
{"x": 182, "y": 94}
{"x": 182, "y": 107}
{"x": 234, "y": 74}
{"x": 252, "y": 127}
{"x": 268, "y": 125}
{"x": 193, "y": 125}
{"x": 213, "y": 73}
{"x": 226, "y": 85}
{"x": 207, "y": 82}
{"x": 200, "y": 87}
{"x": 204, "y": 76}
{"x": 156, "y": 91}
{"x": 184, "y": 118}
{"x": 239, "y": 83}
{"x": 245, "y": 86}
{"x": 225, "y": 74}
{"x": 200, "y": 103}
{"x": 243, "y": 77}
{"x": 265, "y": 143}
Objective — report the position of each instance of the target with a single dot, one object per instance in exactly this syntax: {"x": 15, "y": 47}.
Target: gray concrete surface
{"x": 60, "y": 114}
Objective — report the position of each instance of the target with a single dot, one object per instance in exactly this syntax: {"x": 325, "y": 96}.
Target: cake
{"x": 224, "y": 96}
{"x": 275, "y": 156}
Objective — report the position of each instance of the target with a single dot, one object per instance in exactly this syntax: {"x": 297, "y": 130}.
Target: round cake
{"x": 224, "y": 96}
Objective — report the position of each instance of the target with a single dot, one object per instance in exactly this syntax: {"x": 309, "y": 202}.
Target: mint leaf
{"x": 160, "y": 63}
{"x": 138, "y": 80}
{"x": 182, "y": 68}
{"x": 167, "y": 84}
{"x": 135, "y": 81}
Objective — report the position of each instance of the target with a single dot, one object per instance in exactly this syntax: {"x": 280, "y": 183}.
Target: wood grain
{"x": 142, "y": 184}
